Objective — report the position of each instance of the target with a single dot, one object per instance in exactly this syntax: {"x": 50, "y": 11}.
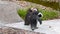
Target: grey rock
{"x": 8, "y": 12}
{"x": 9, "y": 30}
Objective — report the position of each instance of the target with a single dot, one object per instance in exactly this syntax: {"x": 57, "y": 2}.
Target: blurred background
{"x": 49, "y": 8}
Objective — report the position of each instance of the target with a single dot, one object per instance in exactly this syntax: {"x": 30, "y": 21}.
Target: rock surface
{"x": 8, "y": 12}
{"x": 47, "y": 27}
{"x": 9, "y": 30}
